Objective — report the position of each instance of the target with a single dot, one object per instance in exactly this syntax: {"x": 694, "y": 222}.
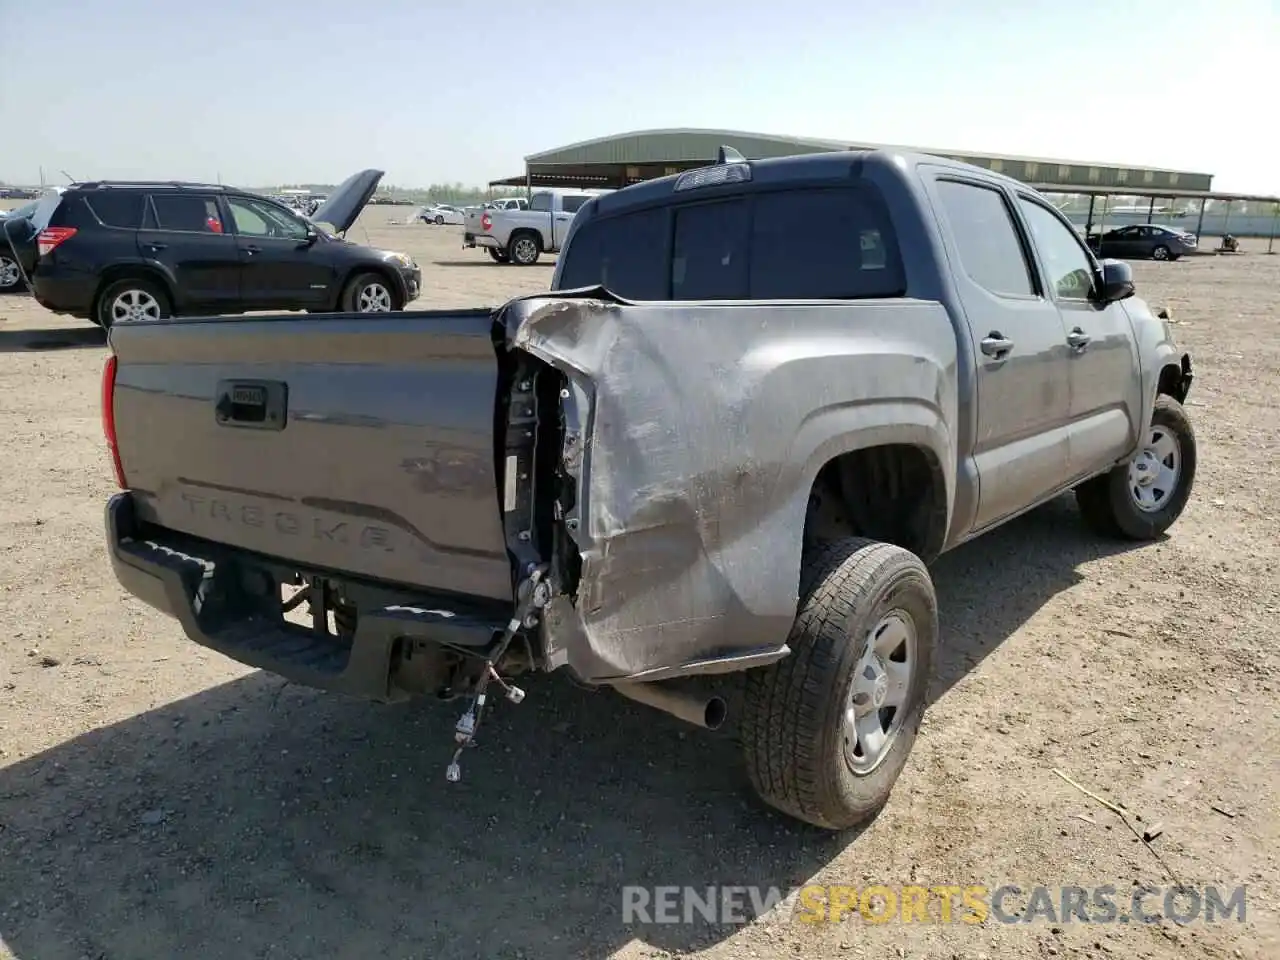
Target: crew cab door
{"x": 279, "y": 268}
{"x": 1106, "y": 385}
{"x": 567, "y": 208}
{"x": 1020, "y": 355}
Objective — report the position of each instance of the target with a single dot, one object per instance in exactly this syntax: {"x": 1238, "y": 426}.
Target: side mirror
{"x": 312, "y": 236}
{"x": 1117, "y": 281}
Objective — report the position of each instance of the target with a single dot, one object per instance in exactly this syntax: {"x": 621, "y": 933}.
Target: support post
{"x": 1200, "y": 222}
{"x": 1151, "y": 209}
{"x": 1088, "y": 222}
{"x": 528, "y": 183}
{"x": 1275, "y": 218}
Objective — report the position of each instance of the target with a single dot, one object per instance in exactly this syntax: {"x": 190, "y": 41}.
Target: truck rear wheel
{"x": 524, "y": 248}
{"x": 1141, "y": 499}
{"x": 826, "y": 731}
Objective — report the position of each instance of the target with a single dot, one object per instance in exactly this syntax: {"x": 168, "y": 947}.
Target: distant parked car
{"x": 508, "y": 203}
{"x": 441, "y": 213}
{"x": 1144, "y": 241}
{"x": 18, "y": 250}
{"x": 112, "y": 252}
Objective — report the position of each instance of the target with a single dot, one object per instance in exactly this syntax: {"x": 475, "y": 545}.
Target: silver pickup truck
{"x": 522, "y": 236}
{"x": 712, "y": 449}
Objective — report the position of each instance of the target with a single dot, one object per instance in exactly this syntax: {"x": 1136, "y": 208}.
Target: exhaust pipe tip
{"x": 708, "y": 713}
{"x": 715, "y": 714}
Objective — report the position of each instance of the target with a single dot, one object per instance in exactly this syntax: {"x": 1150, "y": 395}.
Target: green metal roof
{"x": 683, "y": 146}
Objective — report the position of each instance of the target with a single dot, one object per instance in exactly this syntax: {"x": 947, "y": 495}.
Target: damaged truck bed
{"x": 711, "y": 448}
{"x": 651, "y": 461}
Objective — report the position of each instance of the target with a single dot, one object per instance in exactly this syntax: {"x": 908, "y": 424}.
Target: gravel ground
{"x": 157, "y": 800}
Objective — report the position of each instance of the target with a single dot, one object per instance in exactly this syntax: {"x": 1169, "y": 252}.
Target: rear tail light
{"x": 109, "y": 418}
{"x": 50, "y": 237}
{"x": 486, "y": 222}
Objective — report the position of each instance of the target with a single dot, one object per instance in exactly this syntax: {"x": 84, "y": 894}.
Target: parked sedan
{"x": 441, "y": 213}
{"x": 1144, "y": 241}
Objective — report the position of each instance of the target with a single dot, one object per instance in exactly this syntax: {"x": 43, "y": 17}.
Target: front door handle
{"x": 157, "y": 247}
{"x": 1077, "y": 339}
{"x": 253, "y": 248}
{"x": 995, "y": 344}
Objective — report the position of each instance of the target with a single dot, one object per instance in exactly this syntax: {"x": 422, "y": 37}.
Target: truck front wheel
{"x": 524, "y": 249}
{"x": 827, "y": 730}
{"x": 1141, "y": 499}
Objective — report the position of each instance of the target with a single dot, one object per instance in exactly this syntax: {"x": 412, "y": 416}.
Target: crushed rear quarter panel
{"x": 706, "y": 427}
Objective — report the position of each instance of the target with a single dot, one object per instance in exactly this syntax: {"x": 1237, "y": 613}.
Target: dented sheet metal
{"x": 702, "y": 429}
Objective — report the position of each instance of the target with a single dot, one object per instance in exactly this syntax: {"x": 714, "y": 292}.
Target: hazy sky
{"x": 271, "y": 91}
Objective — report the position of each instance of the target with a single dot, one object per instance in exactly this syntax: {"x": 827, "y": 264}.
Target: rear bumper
{"x": 481, "y": 240}
{"x": 227, "y": 600}
{"x": 64, "y": 291}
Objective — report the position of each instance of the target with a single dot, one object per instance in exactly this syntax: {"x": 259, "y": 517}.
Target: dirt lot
{"x": 159, "y": 801}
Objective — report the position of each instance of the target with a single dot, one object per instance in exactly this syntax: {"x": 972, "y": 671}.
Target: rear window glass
{"x": 626, "y": 254}
{"x": 118, "y": 209}
{"x": 857, "y": 257}
{"x": 709, "y": 253}
{"x": 572, "y": 204}
{"x": 193, "y": 214}
{"x": 758, "y": 246}
{"x": 45, "y": 209}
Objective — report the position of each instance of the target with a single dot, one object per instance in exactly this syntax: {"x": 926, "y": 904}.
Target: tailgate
{"x": 361, "y": 445}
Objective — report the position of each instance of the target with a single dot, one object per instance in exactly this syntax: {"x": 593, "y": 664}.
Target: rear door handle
{"x": 1077, "y": 339}
{"x": 995, "y": 344}
{"x": 154, "y": 247}
{"x": 253, "y": 248}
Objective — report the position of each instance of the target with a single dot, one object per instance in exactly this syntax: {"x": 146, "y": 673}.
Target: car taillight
{"x": 50, "y": 237}
{"x": 486, "y": 222}
{"x": 109, "y": 418}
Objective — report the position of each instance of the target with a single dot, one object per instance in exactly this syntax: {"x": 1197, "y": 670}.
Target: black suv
{"x": 119, "y": 251}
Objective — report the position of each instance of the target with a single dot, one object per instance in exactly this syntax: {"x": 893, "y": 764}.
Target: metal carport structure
{"x": 626, "y": 158}
{"x": 616, "y": 161}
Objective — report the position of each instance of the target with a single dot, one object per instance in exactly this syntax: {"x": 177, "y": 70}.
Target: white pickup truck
{"x": 523, "y": 236}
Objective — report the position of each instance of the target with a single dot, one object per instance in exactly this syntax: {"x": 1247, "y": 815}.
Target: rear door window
{"x": 709, "y": 252}
{"x": 573, "y": 204}
{"x": 117, "y": 209}
{"x": 858, "y": 255}
{"x": 188, "y": 213}
{"x": 625, "y": 254}
{"x": 986, "y": 239}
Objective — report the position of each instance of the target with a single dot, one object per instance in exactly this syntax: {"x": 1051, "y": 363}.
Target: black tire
{"x": 138, "y": 290}
{"x": 497, "y": 256}
{"x": 1107, "y": 502}
{"x": 1160, "y": 252}
{"x": 792, "y": 729}
{"x": 439, "y": 220}
{"x": 360, "y": 290}
{"x": 524, "y": 248}
{"x": 10, "y": 275}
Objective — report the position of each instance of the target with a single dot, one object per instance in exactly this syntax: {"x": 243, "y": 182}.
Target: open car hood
{"x": 348, "y": 200}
